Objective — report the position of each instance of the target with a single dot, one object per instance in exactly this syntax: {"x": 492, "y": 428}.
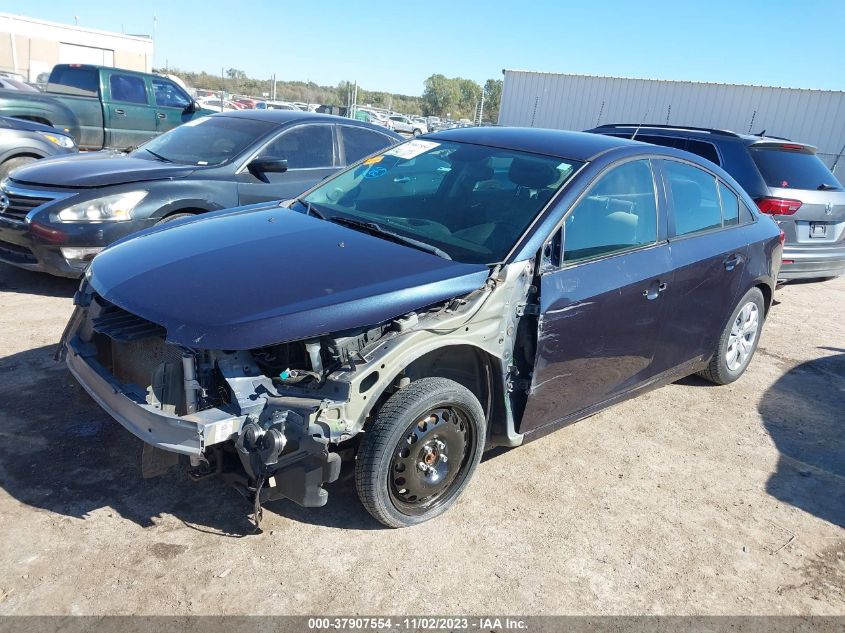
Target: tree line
{"x": 442, "y": 96}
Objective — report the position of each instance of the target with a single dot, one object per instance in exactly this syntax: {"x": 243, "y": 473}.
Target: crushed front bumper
{"x": 188, "y": 435}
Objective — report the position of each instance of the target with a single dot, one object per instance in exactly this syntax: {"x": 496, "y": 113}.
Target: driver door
{"x": 170, "y": 102}
{"x": 602, "y": 307}
{"x": 311, "y": 152}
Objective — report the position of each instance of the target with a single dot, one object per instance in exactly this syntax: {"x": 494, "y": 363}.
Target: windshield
{"x": 791, "y": 169}
{"x": 212, "y": 140}
{"x": 471, "y": 201}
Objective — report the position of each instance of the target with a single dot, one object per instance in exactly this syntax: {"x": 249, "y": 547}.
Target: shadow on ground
{"x": 32, "y": 283}
{"x": 804, "y": 413}
{"x": 60, "y": 452}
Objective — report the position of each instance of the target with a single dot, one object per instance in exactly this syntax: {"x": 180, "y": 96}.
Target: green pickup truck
{"x": 104, "y": 107}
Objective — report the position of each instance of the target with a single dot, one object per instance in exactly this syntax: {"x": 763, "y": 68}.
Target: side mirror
{"x": 192, "y": 107}
{"x": 262, "y": 166}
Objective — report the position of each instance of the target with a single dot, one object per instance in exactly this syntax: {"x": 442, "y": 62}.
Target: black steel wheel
{"x": 420, "y": 452}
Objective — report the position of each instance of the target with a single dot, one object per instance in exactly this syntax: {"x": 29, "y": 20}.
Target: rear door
{"x": 357, "y": 142}
{"x": 129, "y": 116}
{"x": 602, "y": 309}
{"x": 311, "y": 152}
{"x": 709, "y": 251}
{"x": 170, "y": 103}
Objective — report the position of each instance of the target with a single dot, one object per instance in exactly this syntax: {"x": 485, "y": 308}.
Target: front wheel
{"x": 13, "y": 163}
{"x": 738, "y": 341}
{"x": 420, "y": 452}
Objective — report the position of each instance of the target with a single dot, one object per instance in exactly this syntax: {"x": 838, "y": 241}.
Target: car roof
{"x": 282, "y": 117}
{"x": 712, "y": 134}
{"x": 580, "y": 146}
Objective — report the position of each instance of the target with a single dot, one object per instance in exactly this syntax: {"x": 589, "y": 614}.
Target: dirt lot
{"x": 692, "y": 499}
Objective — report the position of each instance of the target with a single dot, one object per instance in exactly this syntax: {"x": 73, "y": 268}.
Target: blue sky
{"x": 394, "y": 45}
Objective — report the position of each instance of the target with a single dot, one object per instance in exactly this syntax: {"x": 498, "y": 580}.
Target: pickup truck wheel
{"x": 738, "y": 341}
{"x": 14, "y": 163}
{"x": 420, "y": 453}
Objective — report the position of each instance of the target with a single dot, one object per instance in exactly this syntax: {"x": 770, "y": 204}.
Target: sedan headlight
{"x": 59, "y": 139}
{"x": 106, "y": 209}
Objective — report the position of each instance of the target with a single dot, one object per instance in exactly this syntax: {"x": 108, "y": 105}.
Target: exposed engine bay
{"x": 278, "y": 420}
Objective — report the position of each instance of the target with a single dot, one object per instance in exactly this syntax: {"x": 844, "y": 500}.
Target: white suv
{"x": 400, "y": 123}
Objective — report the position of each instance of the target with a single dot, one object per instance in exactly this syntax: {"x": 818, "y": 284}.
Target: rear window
{"x": 75, "y": 81}
{"x": 790, "y": 169}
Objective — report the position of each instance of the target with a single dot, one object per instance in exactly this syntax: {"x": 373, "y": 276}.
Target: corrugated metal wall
{"x": 579, "y": 102}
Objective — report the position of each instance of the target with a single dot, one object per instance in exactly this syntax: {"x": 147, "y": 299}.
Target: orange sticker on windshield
{"x": 373, "y": 160}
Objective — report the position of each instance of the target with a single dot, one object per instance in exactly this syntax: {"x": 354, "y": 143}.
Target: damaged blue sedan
{"x": 472, "y": 288}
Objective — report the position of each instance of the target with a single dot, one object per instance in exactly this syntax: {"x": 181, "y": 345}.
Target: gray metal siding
{"x": 579, "y": 102}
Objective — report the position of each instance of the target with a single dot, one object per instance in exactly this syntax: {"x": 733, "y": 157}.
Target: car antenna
{"x": 637, "y": 131}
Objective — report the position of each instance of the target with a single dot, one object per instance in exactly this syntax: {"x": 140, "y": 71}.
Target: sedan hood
{"x": 98, "y": 169}
{"x": 250, "y": 278}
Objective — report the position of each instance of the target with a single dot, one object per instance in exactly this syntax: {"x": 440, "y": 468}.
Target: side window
{"x": 304, "y": 147}
{"x": 76, "y": 81}
{"x": 745, "y": 215}
{"x": 359, "y": 142}
{"x": 128, "y": 89}
{"x": 695, "y": 201}
{"x": 704, "y": 149}
{"x": 730, "y": 206}
{"x": 618, "y": 213}
{"x": 168, "y": 95}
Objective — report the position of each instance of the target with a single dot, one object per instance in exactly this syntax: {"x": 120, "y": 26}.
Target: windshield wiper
{"x": 310, "y": 209}
{"x": 159, "y": 156}
{"x": 826, "y": 187}
{"x": 375, "y": 229}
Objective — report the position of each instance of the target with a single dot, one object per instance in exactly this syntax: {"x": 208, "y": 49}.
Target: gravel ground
{"x": 692, "y": 499}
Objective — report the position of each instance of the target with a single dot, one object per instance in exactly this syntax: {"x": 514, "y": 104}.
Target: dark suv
{"x": 786, "y": 180}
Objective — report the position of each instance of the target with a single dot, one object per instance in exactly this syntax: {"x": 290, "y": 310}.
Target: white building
{"x": 580, "y": 102}
{"x": 31, "y": 47}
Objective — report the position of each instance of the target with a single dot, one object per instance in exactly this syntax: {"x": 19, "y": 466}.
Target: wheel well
{"x": 35, "y": 119}
{"x": 469, "y": 366}
{"x": 767, "y": 296}
{"x": 23, "y": 155}
{"x": 192, "y": 211}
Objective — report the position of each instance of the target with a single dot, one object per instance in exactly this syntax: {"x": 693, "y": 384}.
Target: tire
{"x": 738, "y": 340}
{"x": 174, "y": 217}
{"x": 14, "y": 163}
{"x": 416, "y": 132}
{"x": 432, "y": 421}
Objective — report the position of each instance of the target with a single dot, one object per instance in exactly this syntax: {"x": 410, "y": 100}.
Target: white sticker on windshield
{"x": 411, "y": 149}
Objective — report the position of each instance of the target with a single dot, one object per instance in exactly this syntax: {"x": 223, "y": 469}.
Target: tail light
{"x": 778, "y": 206}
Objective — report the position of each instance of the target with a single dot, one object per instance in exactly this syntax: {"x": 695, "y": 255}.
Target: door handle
{"x": 732, "y": 261}
{"x": 654, "y": 290}
{"x": 120, "y": 112}
{"x": 161, "y": 115}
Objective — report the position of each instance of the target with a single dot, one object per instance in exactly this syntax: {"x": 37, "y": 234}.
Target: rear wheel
{"x": 14, "y": 163}
{"x": 738, "y": 341}
{"x": 417, "y": 132}
{"x": 420, "y": 453}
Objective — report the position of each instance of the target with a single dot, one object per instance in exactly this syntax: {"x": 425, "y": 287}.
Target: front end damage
{"x": 279, "y": 419}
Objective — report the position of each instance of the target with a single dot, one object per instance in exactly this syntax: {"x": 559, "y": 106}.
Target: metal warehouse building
{"x": 31, "y": 47}
{"x": 580, "y": 102}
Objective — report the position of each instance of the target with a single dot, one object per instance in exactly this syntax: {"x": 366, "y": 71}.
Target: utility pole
{"x": 222, "y": 89}
{"x": 274, "y": 87}
{"x": 480, "y": 112}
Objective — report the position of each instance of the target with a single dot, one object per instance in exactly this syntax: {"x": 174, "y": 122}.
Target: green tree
{"x": 470, "y": 95}
{"x": 492, "y": 99}
{"x": 441, "y": 96}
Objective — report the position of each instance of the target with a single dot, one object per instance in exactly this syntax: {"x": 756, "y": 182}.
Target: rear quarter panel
{"x": 89, "y": 114}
